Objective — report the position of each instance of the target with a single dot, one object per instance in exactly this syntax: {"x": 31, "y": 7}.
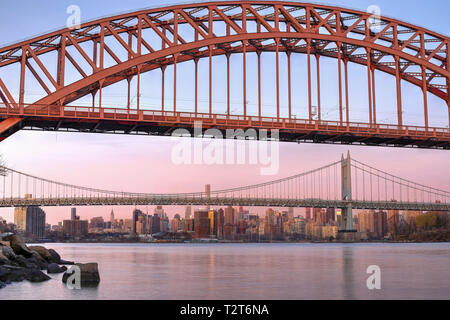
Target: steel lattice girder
{"x": 396, "y": 48}
{"x": 340, "y": 23}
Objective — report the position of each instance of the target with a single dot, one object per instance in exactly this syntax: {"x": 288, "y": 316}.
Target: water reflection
{"x": 348, "y": 273}
{"x": 250, "y": 271}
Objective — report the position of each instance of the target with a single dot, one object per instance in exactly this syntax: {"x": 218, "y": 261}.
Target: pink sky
{"x": 143, "y": 164}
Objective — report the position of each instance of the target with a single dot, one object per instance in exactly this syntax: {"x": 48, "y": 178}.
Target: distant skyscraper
{"x": 31, "y": 220}
{"x": 187, "y": 212}
{"x": 308, "y": 213}
{"x": 20, "y": 218}
{"x": 208, "y": 190}
{"x": 111, "y": 216}
{"x": 208, "y": 193}
{"x": 229, "y": 218}
{"x": 135, "y": 218}
{"x": 155, "y": 224}
{"x": 201, "y": 223}
{"x": 73, "y": 214}
{"x": 291, "y": 213}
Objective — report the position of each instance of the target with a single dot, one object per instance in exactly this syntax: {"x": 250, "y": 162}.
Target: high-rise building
{"x": 75, "y": 228}
{"x": 208, "y": 191}
{"x": 201, "y": 223}
{"x": 111, "y": 217}
{"x": 175, "y": 223}
{"x": 155, "y": 224}
{"x": 229, "y": 216}
{"x": 31, "y": 220}
{"x": 73, "y": 214}
{"x": 308, "y": 213}
{"x": 20, "y": 218}
{"x": 213, "y": 222}
{"x": 97, "y": 223}
{"x": 220, "y": 223}
{"x": 331, "y": 215}
{"x": 135, "y": 217}
{"x": 291, "y": 214}
{"x": 374, "y": 223}
{"x": 187, "y": 212}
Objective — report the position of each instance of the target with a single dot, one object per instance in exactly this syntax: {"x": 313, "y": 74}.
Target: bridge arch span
{"x": 193, "y": 31}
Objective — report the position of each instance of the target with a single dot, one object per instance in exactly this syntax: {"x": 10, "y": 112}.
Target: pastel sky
{"x": 144, "y": 164}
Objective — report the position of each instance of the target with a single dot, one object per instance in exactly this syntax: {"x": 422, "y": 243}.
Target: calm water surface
{"x": 250, "y": 271}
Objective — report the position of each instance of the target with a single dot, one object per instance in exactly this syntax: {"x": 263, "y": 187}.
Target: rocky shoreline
{"x": 19, "y": 262}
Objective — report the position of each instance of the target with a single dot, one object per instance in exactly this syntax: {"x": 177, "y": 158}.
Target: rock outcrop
{"x": 55, "y": 268}
{"x": 43, "y": 252}
{"x": 18, "y": 262}
{"x": 19, "y": 246}
{"x": 10, "y": 274}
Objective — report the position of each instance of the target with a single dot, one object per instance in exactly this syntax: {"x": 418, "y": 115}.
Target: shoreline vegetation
{"x": 35, "y": 263}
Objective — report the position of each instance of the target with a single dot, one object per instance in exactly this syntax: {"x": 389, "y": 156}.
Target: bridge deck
{"x": 149, "y": 122}
{"x": 254, "y": 202}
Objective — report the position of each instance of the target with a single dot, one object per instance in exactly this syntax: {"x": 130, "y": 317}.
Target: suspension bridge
{"x": 63, "y": 77}
{"x": 347, "y": 184}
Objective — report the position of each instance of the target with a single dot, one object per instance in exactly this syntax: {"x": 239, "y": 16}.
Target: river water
{"x": 250, "y": 271}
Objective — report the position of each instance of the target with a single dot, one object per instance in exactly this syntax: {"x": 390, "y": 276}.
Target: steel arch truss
{"x": 155, "y": 38}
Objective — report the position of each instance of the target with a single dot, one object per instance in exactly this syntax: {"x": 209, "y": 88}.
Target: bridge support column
{"x": 347, "y": 215}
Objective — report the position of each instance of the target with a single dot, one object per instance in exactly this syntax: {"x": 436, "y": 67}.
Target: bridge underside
{"x": 305, "y": 132}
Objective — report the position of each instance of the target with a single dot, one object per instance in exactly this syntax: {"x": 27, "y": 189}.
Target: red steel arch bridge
{"x": 69, "y": 65}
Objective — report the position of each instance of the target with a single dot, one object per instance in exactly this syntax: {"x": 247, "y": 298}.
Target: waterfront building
{"x": 175, "y": 223}
{"x": 308, "y": 213}
{"x": 96, "y": 224}
{"x": 31, "y": 220}
{"x": 111, "y": 217}
{"x": 187, "y": 212}
{"x": 229, "y": 216}
{"x": 155, "y": 224}
{"x": 373, "y": 223}
{"x": 75, "y": 228}
{"x": 220, "y": 222}
{"x": 189, "y": 225}
{"x": 213, "y": 222}
{"x": 73, "y": 214}
{"x": 329, "y": 232}
{"x": 135, "y": 217}
{"x": 201, "y": 223}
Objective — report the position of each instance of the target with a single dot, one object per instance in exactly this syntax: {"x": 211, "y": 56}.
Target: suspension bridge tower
{"x": 347, "y": 215}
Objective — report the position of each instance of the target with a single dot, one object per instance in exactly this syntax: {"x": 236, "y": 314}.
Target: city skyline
{"x": 416, "y": 169}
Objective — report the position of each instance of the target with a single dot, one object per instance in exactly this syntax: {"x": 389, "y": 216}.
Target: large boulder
{"x": 8, "y": 252}
{"x": 18, "y": 245}
{"x": 3, "y": 259}
{"x": 89, "y": 274}
{"x": 56, "y": 258}
{"x": 36, "y": 275}
{"x": 12, "y": 274}
{"x": 43, "y": 252}
{"x": 25, "y": 263}
{"x": 38, "y": 260}
{"x": 55, "y": 268}
{"x": 16, "y": 274}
